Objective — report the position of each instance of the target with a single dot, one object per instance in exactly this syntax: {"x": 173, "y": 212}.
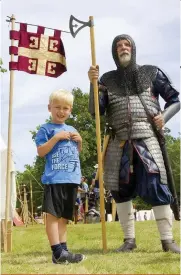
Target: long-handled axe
{"x": 74, "y": 29}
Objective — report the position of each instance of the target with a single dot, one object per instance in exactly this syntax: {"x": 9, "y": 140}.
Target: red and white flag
{"x": 38, "y": 53}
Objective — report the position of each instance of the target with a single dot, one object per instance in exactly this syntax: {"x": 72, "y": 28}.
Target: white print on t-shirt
{"x": 66, "y": 159}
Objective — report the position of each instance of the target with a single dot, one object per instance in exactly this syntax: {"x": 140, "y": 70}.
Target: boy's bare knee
{"x": 51, "y": 217}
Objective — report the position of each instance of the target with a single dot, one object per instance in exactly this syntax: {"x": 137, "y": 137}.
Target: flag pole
{"x": 31, "y": 196}
{"x": 98, "y": 135}
{"x": 8, "y": 222}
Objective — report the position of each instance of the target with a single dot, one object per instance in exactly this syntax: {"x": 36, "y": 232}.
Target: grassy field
{"x": 31, "y": 252}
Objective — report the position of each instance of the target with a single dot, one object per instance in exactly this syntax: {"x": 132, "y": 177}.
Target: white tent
{"x": 3, "y": 165}
{"x": 149, "y": 215}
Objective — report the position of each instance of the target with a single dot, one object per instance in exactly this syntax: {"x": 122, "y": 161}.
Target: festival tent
{"x": 149, "y": 215}
{"x": 3, "y": 165}
{"x": 17, "y": 221}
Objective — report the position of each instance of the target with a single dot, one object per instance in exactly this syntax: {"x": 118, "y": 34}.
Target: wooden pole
{"x": 86, "y": 208}
{"x": 105, "y": 144}
{"x": 31, "y": 197}
{"x": 113, "y": 210}
{"x": 86, "y": 204}
{"x": 19, "y": 192}
{"x": 98, "y": 136}
{"x": 44, "y": 218}
{"x": 25, "y": 206}
{"x": 28, "y": 211}
{"x": 8, "y": 222}
{"x": 2, "y": 223}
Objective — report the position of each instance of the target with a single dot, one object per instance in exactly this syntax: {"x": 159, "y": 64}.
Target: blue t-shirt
{"x": 62, "y": 162}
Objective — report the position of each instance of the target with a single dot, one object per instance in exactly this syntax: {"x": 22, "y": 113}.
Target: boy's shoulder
{"x": 70, "y": 128}
{"x": 45, "y": 126}
{"x": 50, "y": 126}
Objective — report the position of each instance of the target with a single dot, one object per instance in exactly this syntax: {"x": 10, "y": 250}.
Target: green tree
{"x": 173, "y": 147}
{"x": 2, "y": 70}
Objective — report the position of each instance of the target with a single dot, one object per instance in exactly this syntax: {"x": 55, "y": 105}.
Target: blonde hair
{"x": 62, "y": 95}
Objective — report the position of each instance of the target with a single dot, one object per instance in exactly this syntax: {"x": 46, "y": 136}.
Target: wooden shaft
{"x": 98, "y": 136}
{"x": 24, "y": 201}
{"x": 31, "y": 196}
{"x": 18, "y": 189}
{"x": 44, "y": 218}
{"x": 8, "y": 234}
{"x": 86, "y": 209}
{"x": 86, "y": 204}
{"x": 113, "y": 210}
{"x": 2, "y": 223}
{"x": 28, "y": 211}
{"x": 105, "y": 144}
{"x": 25, "y": 207}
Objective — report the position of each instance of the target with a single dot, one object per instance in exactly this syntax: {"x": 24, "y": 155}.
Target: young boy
{"x": 60, "y": 144}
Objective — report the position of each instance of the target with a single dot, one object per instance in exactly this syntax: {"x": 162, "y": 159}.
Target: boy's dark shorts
{"x": 59, "y": 200}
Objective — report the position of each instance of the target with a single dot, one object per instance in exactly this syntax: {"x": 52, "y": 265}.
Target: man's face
{"x": 124, "y": 52}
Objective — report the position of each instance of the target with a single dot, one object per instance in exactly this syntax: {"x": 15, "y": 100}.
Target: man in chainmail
{"x": 133, "y": 163}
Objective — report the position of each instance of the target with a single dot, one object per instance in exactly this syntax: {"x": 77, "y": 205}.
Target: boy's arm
{"x": 80, "y": 146}
{"x": 44, "y": 146}
{"x": 76, "y": 137}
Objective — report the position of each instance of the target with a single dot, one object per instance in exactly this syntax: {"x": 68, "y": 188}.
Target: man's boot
{"x": 163, "y": 216}
{"x": 128, "y": 245}
{"x": 170, "y": 245}
{"x": 126, "y": 218}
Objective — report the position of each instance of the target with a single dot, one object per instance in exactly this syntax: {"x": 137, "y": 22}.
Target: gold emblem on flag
{"x": 42, "y": 54}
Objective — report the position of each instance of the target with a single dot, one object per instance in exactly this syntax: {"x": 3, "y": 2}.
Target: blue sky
{"x": 154, "y": 25}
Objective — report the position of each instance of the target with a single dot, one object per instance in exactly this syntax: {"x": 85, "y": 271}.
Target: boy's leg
{"x": 52, "y": 229}
{"x": 59, "y": 254}
{"x": 54, "y": 204}
{"x": 53, "y": 235}
{"x": 62, "y": 228}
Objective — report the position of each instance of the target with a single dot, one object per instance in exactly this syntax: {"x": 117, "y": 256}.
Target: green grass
{"x": 32, "y": 255}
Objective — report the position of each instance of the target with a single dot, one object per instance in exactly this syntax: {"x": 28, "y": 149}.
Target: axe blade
{"x": 72, "y": 26}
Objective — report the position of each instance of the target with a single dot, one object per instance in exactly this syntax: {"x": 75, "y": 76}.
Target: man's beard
{"x": 125, "y": 59}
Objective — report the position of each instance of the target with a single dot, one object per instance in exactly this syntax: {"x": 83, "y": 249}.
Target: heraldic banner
{"x": 38, "y": 53}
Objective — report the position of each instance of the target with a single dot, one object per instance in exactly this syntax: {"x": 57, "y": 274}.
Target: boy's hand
{"x": 76, "y": 137}
{"x": 62, "y": 135}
